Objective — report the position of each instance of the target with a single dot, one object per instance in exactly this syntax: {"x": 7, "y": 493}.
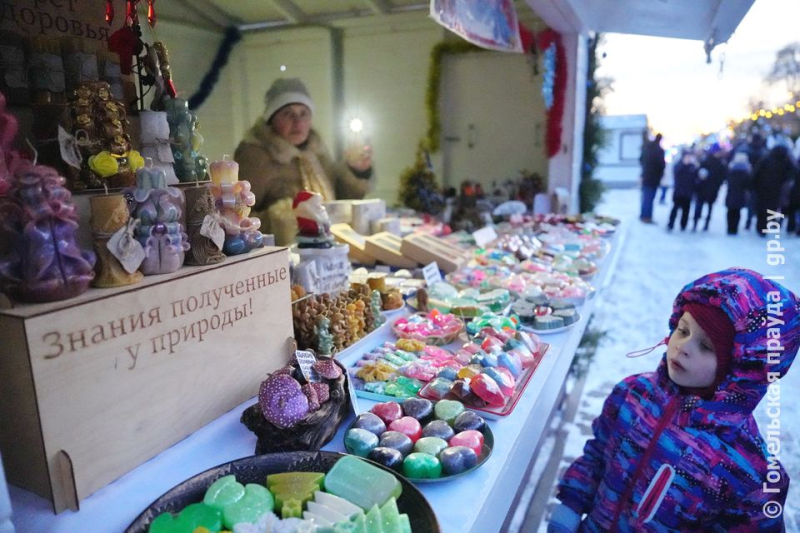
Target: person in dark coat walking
{"x": 711, "y": 175}
{"x": 653, "y": 164}
{"x": 739, "y": 178}
{"x": 772, "y": 177}
{"x": 756, "y": 151}
{"x": 685, "y": 173}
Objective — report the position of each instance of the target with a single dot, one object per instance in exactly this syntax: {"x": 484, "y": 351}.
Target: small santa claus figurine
{"x": 312, "y": 220}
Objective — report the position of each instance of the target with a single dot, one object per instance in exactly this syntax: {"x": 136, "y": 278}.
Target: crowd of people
{"x": 760, "y": 177}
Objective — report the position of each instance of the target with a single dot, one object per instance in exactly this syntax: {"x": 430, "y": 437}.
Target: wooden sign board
{"x": 99, "y": 384}
{"x": 425, "y": 248}
{"x": 357, "y": 242}
{"x": 385, "y": 247}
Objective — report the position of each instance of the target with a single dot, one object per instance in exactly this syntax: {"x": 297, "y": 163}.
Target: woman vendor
{"x": 282, "y": 155}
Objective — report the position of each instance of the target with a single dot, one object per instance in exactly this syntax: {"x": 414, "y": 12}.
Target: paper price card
{"x": 432, "y": 274}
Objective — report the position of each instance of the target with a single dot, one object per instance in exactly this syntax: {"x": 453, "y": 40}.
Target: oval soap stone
{"x": 371, "y": 422}
{"x": 388, "y": 411}
{"x": 471, "y": 439}
{"x": 360, "y": 441}
{"x": 430, "y": 445}
{"x": 418, "y": 408}
{"x": 468, "y": 420}
{"x": 448, "y": 410}
{"x": 398, "y": 441}
{"x": 407, "y": 425}
{"x": 422, "y": 466}
{"x": 457, "y": 459}
{"x": 440, "y": 429}
{"x": 388, "y": 457}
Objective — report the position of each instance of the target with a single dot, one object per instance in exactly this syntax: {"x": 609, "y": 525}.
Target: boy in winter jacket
{"x": 678, "y": 449}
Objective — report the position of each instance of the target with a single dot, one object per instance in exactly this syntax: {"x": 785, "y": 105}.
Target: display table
{"x": 476, "y": 503}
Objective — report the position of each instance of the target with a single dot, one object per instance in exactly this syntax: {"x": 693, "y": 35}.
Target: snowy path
{"x": 653, "y": 267}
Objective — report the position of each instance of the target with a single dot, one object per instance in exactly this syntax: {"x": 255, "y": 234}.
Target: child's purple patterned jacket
{"x": 662, "y": 460}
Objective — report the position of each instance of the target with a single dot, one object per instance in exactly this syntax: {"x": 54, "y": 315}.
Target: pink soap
{"x": 388, "y": 411}
{"x": 471, "y": 439}
{"x": 408, "y": 426}
{"x": 487, "y": 390}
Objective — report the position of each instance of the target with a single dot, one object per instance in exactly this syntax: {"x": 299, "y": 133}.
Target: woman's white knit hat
{"x": 285, "y": 91}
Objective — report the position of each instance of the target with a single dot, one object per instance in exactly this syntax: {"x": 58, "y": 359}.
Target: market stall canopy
{"x": 711, "y": 21}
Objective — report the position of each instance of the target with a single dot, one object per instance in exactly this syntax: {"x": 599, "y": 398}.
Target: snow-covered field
{"x": 654, "y": 265}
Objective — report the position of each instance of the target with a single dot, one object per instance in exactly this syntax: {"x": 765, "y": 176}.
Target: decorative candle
{"x": 158, "y": 210}
{"x": 154, "y": 142}
{"x": 42, "y": 262}
{"x": 186, "y": 140}
{"x": 200, "y": 212}
{"x": 234, "y": 199}
{"x": 109, "y": 214}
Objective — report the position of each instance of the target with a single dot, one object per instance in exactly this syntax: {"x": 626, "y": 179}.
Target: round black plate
{"x": 255, "y": 469}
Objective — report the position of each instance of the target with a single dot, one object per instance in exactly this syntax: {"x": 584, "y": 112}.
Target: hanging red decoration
{"x": 151, "y": 13}
{"x": 109, "y": 11}
{"x": 130, "y": 11}
{"x": 555, "y": 115}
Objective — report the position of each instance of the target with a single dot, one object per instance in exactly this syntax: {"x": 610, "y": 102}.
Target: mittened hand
{"x": 563, "y": 520}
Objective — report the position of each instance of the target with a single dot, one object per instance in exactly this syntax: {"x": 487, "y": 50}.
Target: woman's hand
{"x": 359, "y": 157}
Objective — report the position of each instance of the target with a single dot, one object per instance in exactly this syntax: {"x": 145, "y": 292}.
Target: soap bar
{"x": 363, "y": 484}
{"x": 422, "y": 465}
{"x": 397, "y": 441}
{"x": 448, "y": 410}
{"x": 223, "y": 492}
{"x": 430, "y": 445}
{"x": 336, "y": 503}
{"x": 360, "y": 441}
{"x": 256, "y": 502}
{"x": 471, "y": 439}
{"x": 408, "y": 426}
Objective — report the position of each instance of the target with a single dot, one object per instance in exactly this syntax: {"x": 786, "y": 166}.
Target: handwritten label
{"x": 484, "y": 236}
{"x": 432, "y": 274}
{"x": 212, "y": 229}
{"x": 305, "y": 359}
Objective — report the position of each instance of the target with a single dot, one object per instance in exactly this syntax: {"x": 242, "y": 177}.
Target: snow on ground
{"x": 653, "y": 267}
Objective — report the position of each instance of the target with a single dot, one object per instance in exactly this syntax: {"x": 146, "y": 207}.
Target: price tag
{"x": 69, "y": 149}
{"x": 484, "y": 236}
{"x": 124, "y": 246}
{"x": 353, "y": 398}
{"x": 432, "y": 274}
{"x": 213, "y": 230}
{"x": 305, "y": 360}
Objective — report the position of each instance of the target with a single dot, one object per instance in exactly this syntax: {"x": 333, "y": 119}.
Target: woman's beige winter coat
{"x": 278, "y": 170}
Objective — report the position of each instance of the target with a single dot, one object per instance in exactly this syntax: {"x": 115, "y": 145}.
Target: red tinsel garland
{"x": 536, "y": 44}
{"x": 555, "y": 115}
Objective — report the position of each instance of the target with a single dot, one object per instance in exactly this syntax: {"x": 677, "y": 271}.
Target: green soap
{"x": 281, "y": 497}
{"x": 361, "y": 483}
{"x": 201, "y": 515}
{"x": 375, "y": 387}
{"x": 292, "y": 509}
{"x": 166, "y": 523}
{"x": 223, "y": 492}
{"x": 343, "y": 527}
{"x": 294, "y": 478}
{"x": 422, "y": 465}
{"x": 406, "y": 356}
{"x": 374, "y": 520}
{"x": 414, "y": 385}
{"x": 393, "y": 389}
{"x": 405, "y": 523}
{"x": 360, "y": 521}
{"x": 256, "y": 502}
{"x": 430, "y": 445}
{"x": 448, "y": 410}
{"x": 394, "y": 359}
{"x": 360, "y": 441}
{"x": 390, "y": 517}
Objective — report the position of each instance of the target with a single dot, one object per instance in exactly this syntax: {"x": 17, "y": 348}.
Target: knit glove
{"x": 563, "y": 520}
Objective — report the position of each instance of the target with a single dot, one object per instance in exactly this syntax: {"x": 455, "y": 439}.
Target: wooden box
{"x": 385, "y": 247}
{"x": 425, "y": 248}
{"x": 96, "y": 385}
{"x": 357, "y": 242}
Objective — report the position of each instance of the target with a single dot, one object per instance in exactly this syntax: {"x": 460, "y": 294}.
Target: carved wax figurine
{"x": 313, "y": 221}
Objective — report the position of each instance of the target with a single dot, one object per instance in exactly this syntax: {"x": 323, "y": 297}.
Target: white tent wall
{"x": 385, "y": 62}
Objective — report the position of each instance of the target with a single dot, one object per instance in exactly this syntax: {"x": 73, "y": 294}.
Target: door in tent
{"x": 493, "y": 118}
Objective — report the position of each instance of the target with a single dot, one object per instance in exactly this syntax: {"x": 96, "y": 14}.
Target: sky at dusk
{"x": 683, "y": 96}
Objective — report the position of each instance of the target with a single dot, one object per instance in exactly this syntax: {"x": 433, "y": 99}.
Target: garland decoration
{"x": 554, "y": 86}
{"x": 431, "y": 140}
{"x": 232, "y": 36}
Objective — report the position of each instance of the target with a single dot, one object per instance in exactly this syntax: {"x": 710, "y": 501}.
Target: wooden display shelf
{"x": 98, "y": 384}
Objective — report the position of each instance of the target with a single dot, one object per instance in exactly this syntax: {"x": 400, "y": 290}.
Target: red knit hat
{"x": 720, "y": 330}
